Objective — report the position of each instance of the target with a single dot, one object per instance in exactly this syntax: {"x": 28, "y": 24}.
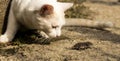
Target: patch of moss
{"x": 79, "y": 10}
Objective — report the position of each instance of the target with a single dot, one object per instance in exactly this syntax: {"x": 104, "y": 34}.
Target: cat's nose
{"x": 54, "y": 36}
{"x": 57, "y": 36}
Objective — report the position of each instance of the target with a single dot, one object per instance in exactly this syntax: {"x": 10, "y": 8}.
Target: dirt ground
{"x": 106, "y": 43}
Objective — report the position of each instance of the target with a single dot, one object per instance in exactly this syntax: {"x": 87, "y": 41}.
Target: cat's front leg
{"x": 11, "y": 30}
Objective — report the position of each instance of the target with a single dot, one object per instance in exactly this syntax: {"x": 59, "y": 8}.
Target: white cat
{"x": 45, "y": 15}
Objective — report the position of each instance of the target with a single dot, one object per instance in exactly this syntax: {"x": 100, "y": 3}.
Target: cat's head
{"x": 50, "y": 17}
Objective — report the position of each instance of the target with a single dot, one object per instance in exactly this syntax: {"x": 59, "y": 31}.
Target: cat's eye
{"x": 55, "y": 27}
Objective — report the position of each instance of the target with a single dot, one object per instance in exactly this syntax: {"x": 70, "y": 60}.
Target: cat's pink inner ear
{"x": 46, "y": 10}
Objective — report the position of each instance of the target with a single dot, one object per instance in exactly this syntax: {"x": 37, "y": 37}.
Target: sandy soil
{"x": 106, "y": 43}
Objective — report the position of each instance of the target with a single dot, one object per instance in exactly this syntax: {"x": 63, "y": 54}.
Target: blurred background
{"x": 82, "y": 10}
{"x": 78, "y": 10}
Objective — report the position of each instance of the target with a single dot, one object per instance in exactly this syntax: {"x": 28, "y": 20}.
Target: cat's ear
{"x": 66, "y": 6}
{"x": 46, "y": 10}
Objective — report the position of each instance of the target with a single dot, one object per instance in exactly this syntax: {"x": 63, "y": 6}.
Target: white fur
{"x": 22, "y": 11}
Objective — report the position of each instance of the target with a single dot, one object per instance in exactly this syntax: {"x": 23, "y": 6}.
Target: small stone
{"x": 82, "y": 46}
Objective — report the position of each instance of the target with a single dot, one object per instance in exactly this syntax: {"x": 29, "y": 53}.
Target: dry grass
{"x": 106, "y": 43}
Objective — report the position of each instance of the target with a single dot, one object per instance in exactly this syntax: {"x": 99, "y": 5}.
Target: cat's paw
{"x": 43, "y": 34}
{"x": 4, "y": 39}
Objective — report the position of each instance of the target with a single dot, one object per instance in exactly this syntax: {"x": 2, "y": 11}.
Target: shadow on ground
{"x": 98, "y": 34}
{"x": 111, "y": 3}
{"x": 32, "y": 37}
